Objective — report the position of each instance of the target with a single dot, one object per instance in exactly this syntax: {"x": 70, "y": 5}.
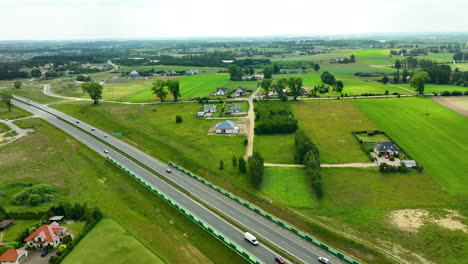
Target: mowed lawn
{"x": 277, "y": 148}
{"x": 330, "y": 123}
{"x": 288, "y": 186}
{"x": 433, "y": 135}
{"x": 108, "y": 242}
{"x": 199, "y": 85}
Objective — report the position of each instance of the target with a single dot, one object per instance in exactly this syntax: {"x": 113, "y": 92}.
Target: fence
{"x": 187, "y": 213}
{"x": 269, "y": 217}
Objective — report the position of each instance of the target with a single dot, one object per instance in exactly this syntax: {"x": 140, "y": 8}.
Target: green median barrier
{"x": 323, "y": 246}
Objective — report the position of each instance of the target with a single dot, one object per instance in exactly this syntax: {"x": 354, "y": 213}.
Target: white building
{"x": 47, "y": 235}
{"x": 13, "y": 256}
{"x": 227, "y": 127}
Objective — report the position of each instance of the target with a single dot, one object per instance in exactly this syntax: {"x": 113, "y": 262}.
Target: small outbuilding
{"x": 56, "y": 218}
{"x": 410, "y": 163}
{"x": 13, "y": 256}
{"x": 5, "y": 224}
{"x": 226, "y": 127}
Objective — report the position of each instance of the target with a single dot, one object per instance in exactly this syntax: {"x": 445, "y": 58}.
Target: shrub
{"x": 221, "y": 164}
{"x": 445, "y": 93}
{"x": 456, "y": 93}
{"x": 67, "y": 239}
{"x": 380, "y": 155}
{"x": 397, "y": 155}
{"x": 246, "y": 142}
{"x": 466, "y": 92}
{"x": 178, "y": 119}
{"x": 402, "y": 168}
{"x": 392, "y": 158}
{"x": 35, "y": 195}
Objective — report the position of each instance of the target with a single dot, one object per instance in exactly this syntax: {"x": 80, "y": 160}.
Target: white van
{"x": 251, "y": 238}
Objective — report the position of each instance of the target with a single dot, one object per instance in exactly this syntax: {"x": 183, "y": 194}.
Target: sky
{"x": 102, "y": 19}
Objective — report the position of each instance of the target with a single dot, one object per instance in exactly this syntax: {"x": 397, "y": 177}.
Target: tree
{"x": 418, "y": 80}
{"x": 18, "y": 84}
{"x": 242, "y": 165}
{"x": 235, "y": 72}
{"x": 234, "y": 161}
{"x": 221, "y": 165}
{"x": 36, "y": 73}
{"x": 94, "y": 90}
{"x": 397, "y": 64}
{"x": 338, "y": 86}
{"x": 385, "y": 80}
{"x": 280, "y": 85}
{"x": 295, "y": 84}
{"x": 159, "y": 89}
{"x": 178, "y": 119}
{"x": 352, "y": 59}
{"x": 268, "y": 71}
{"x": 266, "y": 84}
{"x": 6, "y": 98}
{"x": 327, "y": 78}
{"x": 173, "y": 86}
{"x": 256, "y": 169}
{"x": 316, "y": 67}
{"x": 396, "y": 77}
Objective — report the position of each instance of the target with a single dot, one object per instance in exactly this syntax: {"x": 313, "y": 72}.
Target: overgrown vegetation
{"x": 274, "y": 118}
{"x": 35, "y": 195}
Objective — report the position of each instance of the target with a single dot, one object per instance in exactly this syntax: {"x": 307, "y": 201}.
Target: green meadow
{"x": 436, "y": 88}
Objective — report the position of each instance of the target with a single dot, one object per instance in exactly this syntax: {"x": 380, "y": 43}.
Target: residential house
{"x": 220, "y": 91}
{"x": 191, "y": 72}
{"x": 226, "y": 127}
{"x": 233, "y": 109}
{"x": 239, "y": 92}
{"x": 47, "y": 235}
{"x": 255, "y": 77}
{"x": 13, "y": 256}
{"x": 134, "y": 74}
{"x": 210, "y": 108}
{"x": 5, "y": 224}
{"x": 228, "y": 61}
{"x": 386, "y": 148}
{"x": 410, "y": 163}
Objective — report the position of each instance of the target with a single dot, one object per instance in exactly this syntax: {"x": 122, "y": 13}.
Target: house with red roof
{"x": 47, "y": 235}
{"x": 13, "y": 256}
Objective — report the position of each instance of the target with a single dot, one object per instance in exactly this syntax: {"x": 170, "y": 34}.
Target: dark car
{"x": 168, "y": 170}
{"x": 279, "y": 259}
{"x": 44, "y": 253}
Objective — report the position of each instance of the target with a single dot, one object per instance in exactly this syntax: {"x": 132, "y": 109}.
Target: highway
{"x": 261, "y": 227}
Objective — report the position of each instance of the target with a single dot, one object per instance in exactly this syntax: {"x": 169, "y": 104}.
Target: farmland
{"x": 442, "y": 151}
{"x": 96, "y": 247}
{"x": 81, "y": 175}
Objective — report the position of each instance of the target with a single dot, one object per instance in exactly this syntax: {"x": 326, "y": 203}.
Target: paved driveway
{"x": 34, "y": 257}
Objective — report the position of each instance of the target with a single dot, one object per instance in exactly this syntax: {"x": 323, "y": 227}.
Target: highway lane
{"x": 261, "y": 252}
{"x": 262, "y": 227}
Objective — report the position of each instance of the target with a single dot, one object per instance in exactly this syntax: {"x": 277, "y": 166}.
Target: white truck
{"x": 251, "y": 238}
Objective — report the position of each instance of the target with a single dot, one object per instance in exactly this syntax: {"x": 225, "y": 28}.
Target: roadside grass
{"x": 442, "y": 152}
{"x": 15, "y": 112}
{"x": 50, "y": 156}
{"x": 12, "y": 232}
{"x": 34, "y": 92}
{"x": 108, "y": 242}
{"x": 330, "y": 123}
{"x": 436, "y": 88}
{"x": 4, "y": 128}
{"x": 278, "y": 148}
{"x": 288, "y": 186}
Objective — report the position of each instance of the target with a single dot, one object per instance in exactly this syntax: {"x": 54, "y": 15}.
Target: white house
{"x": 220, "y": 91}
{"x": 386, "y": 148}
{"x": 233, "y": 109}
{"x": 240, "y": 91}
{"x": 227, "y": 127}
{"x": 210, "y": 108}
{"x": 134, "y": 74}
{"x": 47, "y": 235}
{"x": 191, "y": 72}
{"x": 13, "y": 256}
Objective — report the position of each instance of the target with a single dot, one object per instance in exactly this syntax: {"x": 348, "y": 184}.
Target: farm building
{"x": 227, "y": 127}
{"x": 210, "y": 108}
{"x": 386, "y": 148}
{"x": 47, "y": 235}
{"x": 240, "y": 91}
{"x": 5, "y": 224}
{"x": 220, "y": 91}
{"x": 13, "y": 256}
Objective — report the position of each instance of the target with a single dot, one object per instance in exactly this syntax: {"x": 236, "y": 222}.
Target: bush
{"x": 445, "y": 93}
{"x": 466, "y": 92}
{"x": 397, "y": 155}
{"x": 221, "y": 165}
{"x": 392, "y": 158}
{"x": 35, "y": 195}
{"x": 246, "y": 142}
{"x": 274, "y": 118}
{"x": 178, "y": 119}
{"x": 456, "y": 93}
{"x": 402, "y": 168}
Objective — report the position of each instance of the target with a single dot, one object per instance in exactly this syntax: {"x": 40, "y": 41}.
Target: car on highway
{"x": 106, "y": 151}
{"x": 251, "y": 238}
{"x": 105, "y": 136}
{"x": 77, "y": 122}
{"x": 324, "y": 260}
{"x": 279, "y": 259}
{"x": 92, "y": 129}
{"x": 168, "y": 170}
{"x": 44, "y": 253}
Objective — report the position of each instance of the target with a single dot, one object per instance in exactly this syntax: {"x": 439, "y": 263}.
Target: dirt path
{"x": 250, "y": 124}
{"x": 458, "y": 104}
{"x": 412, "y": 92}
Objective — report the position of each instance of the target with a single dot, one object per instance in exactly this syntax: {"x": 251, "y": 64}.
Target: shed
{"x": 5, "y": 224}
{"x": 410, "y": 163}
{"x": 56, "y": 218}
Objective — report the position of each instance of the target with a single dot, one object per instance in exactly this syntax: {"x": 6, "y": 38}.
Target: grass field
{"x": 34, "y": 92}
{"x": 171, "y": 68}
{"x": 196, "y": 86}
{"x": 4, "y": 128}
{"x": 108, "y": 242}
{"x": 15, "y": 112}
{"x": 288, "y": 186}
{"x": 276, "y": 148}
{"x": 12, "y": 232}
{"x": 358, "y": 86}
{"x": 374, "y": 57}
{"x": 442, "y": 152}
{"x": 372, "y": 139}
{"x": 330, "y": 123}
{"x": 81, "y": 175}
{"x": 436, "y": 88}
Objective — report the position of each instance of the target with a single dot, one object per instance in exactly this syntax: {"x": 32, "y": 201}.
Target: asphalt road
{"x": 261, "y": 227}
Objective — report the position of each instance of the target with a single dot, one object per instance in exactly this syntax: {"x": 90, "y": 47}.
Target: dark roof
{"x": 5, "y": 223}
{"x": 224, "y": 89}
{"x": 386, "y": 146}
{"x": 234, "y": 107}
{"x": 242, "y": 88}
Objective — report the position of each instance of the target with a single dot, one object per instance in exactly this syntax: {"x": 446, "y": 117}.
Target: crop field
{"x": 288, "y": 186}
{"x": 374, "y": 57}
{"x": 330, "y": 123}
{"x": 108, "y": 242}
{"x": 358, "y": 86}
{"x": 196, "y": 86}
{"x": 442, "y": 152}
{"x": 81, "y": 175}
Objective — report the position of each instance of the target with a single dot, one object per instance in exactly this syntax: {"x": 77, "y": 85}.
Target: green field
{"x": 436, "y": 88}
{"x": 374, "y": 57}
{"x": 372, "y": 139}
{"x": 108, "y": 242}
{"x": 196, "y": 86}
{"x": 12, "y": 232}
{"x": 330, "y": 123}
{"x": 288, "y": 186}
{"x": 276, "y": 148}
{"x": 81, "y": 175}
{"x": 4, "y": 128}
{"x": 15, "y": 112}
{"x": 34, "y": 92}
{"x": 357, "y": 86}
{"x": 442, "y": 152}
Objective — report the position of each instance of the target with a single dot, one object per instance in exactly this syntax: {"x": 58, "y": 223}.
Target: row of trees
{"x": 293, "y": 83}
{"x": 161, "y": 88}
{"x": 274, "y": 118}
{"x": 307, "y": 153}
{"x": 329, "y": 79}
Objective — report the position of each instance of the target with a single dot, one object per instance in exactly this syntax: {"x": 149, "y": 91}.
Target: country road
{"x": 207, "y": 201}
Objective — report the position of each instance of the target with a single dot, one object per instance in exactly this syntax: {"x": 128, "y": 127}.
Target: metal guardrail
{"x": 269, "y": 217}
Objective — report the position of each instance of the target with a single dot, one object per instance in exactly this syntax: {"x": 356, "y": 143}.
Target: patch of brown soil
{"x": 408, "y": 219}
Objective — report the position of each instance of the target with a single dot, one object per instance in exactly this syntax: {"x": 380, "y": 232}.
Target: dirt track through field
{"x": 458, "y": 104}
